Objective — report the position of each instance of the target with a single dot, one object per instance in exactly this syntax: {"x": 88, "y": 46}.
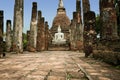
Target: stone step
{"x": 55, "y": 48}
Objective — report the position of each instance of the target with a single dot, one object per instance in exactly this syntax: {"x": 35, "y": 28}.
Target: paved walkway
{"x": 53, "y": 65}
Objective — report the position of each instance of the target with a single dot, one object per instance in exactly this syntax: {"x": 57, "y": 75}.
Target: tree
{"x": 24, "y": 41}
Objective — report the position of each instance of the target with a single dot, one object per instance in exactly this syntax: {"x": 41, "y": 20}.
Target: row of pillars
{"x": 38, "y": 34}
{"x": 108, "y": 18}
{"x": 37, "y": 39}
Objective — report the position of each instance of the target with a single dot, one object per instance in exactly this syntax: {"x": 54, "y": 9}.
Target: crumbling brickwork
{"x": 46, "y": 35}
{"x": 109, "y": 19}
{"x": 33, "y": 28}
{"x": 76, "y": 31}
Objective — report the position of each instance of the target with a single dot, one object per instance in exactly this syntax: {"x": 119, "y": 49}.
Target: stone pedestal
{"x": 18, "y": 26}
{"x": 8, "y": 36}
{"x": 33, "y": 28}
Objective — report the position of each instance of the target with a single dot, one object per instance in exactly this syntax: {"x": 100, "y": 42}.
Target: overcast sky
{"x": 48, "y": 8}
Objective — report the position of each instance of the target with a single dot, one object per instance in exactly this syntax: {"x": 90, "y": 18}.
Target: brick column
{"x": 8, "y": 36}
{"x": 1, "y": 30}
{"x": 33, "y": 28}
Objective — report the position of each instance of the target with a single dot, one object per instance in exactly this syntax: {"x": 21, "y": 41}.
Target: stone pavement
{"x": 53, "y": 65}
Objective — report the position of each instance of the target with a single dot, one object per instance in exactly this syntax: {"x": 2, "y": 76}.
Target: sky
{"x": 48, "y": 8}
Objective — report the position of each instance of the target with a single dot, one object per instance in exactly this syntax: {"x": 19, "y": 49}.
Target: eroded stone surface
{"x": 33, "y": 28}
{"x": 54, "y": 65}
{"x": 76, "y": 29}
{"x": 40, "y": 66}
{"x": 18, "y": 26}
{"x": 8, "y": 36}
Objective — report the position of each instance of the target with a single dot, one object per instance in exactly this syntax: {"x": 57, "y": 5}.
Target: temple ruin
{"x": 77, "y": 34}
{"x": 61, "y": 19}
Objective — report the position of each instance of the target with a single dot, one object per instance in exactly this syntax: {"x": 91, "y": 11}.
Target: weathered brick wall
{"x": 108, "y": 51}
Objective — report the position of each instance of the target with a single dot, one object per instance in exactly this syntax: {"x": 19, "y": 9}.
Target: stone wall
{"x": 108, "y": 51}
{"x": 107, "y": 47}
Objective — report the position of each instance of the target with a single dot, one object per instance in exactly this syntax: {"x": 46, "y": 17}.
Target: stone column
{"x": 109, "y": 19}
{"x": 76, "y": 28}
{"x": 78, "y": 7}
{"x": 28, "y": 39}
{"x": 119, "y": 17}
{"x": 89, "y": 20}
{"x": 46, "y": 35}
{"x": 79, "y": 27}
{"x": 33, "y": 28}
{"x": 8, "y": 36}
{"x": 39, "y": 31}
{"x": 1, "y": 30}
{"x": 1, "y": 25}
{"x": 72, "y": 35}
{"x": 86, "y": 7}
{"x": 18, "y": 26}
{"x": 42, "y": 36}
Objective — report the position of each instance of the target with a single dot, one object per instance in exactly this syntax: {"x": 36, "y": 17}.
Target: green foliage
{"x": 24, "y": 41}
{"x": 118, "y": 67}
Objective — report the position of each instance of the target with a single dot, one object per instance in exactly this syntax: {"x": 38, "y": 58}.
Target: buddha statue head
{"x": 59, "y": 29}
